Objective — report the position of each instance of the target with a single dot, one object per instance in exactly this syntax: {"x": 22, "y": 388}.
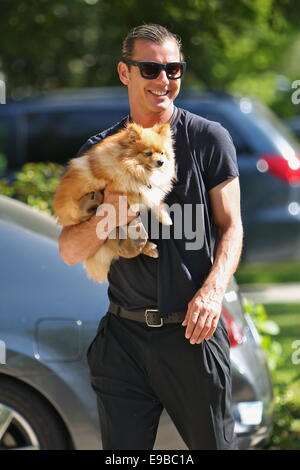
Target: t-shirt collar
{"x": 171, "y": 120}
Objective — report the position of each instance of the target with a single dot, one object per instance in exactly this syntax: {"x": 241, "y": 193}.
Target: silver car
{"x": 49, "y": 316}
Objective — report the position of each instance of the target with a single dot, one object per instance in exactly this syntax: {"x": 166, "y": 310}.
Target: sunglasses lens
{"x": 174, "y": 70}
{"x": 150, "y": 70}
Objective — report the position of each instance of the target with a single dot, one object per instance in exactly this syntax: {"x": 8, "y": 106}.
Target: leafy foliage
{"x": 286, "y": 411}
{"x": 35, "y": 185}
{"x": 242, "y": 47}
{"x": 267, "y": 329}
{"x": 284, "y": 435}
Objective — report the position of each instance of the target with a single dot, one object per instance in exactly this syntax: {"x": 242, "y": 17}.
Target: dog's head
{"x": 149, "y": 148}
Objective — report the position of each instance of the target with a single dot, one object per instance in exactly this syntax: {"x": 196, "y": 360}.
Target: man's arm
{"x": 205, "y": 308}
{"x": 79, "y": 242}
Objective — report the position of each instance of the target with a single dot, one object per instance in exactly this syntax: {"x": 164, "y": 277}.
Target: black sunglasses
{"x": 151, "y": 70}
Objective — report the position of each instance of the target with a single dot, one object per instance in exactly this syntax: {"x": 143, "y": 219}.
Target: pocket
{"x": 217, "y": 372}
{"x": 212, "y": 364}
{"x": 99, "y": 333}
{"x": 227, "y": 413}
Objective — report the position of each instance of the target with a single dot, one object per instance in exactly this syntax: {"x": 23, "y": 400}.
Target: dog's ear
{"x": 163, "y": 129}
{"x": 133, "y": 132}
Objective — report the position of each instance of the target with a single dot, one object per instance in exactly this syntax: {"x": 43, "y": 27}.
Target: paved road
{"x": 272, "y": 293}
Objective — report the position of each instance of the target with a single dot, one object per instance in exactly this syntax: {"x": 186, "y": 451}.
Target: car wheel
{"x": 26, "y": 421}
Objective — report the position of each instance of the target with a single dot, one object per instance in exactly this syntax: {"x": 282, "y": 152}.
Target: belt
{"x": 150, "y": 316}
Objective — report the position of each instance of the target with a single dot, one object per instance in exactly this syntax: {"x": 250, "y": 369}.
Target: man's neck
{"x": 149, "y": 120}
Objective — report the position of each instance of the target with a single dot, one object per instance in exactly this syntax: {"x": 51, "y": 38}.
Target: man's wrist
{"x": 212, "y": 289}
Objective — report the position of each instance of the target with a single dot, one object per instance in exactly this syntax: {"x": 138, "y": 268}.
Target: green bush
{"x": 267, "y": 329}
{"x": 285, "y": 436}
{"x": 286, "y": 411}
{"x": 34, "y": 184}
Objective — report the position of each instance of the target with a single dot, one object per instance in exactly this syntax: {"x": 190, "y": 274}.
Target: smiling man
{"x": 163, "y": 343}
{"x": 150, "y": 100}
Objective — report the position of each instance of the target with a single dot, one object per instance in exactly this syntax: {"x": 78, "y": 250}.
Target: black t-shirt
{"x": 205, "y": 157}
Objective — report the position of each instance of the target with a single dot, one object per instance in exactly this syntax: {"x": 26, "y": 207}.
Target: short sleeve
{"x": 220, "y": 161}
{"x": 95, "y": 139}
{"x": 89, "y": 143}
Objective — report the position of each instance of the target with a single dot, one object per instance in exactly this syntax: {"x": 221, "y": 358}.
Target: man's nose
{"x": 162, "y": 77}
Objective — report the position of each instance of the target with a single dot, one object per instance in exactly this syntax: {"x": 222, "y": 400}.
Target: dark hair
{"x": 151, "y": 32}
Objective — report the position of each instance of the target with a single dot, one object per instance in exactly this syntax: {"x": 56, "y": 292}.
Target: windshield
{"x": 271, "y": 124}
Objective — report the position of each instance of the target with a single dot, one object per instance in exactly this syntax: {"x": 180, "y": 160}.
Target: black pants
{"x": 136, "y": 371}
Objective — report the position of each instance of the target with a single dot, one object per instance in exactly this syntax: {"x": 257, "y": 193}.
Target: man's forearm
{"x": 227, "y": 256}
{"x": 79, "y": 242}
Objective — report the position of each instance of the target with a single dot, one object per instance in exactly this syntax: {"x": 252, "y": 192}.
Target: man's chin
{"x": 162, "y": 106}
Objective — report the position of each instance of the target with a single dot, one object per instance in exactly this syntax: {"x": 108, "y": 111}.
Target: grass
{"x": 286, "y": 433}
{"x": 268, "y": 273}
{"x": 287, "y": 316}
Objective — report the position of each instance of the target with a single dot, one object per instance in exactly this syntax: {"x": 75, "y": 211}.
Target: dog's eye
{"x": 148, "y": 154}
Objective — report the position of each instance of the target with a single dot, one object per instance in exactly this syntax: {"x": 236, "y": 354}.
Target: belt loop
{"x": 115, "y": 309}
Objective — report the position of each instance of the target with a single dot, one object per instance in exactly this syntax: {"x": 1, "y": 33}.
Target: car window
{"x": 57, "y": 135}
{"x": 272, "y": 125}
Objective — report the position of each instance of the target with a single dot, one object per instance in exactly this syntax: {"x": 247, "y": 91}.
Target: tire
{"x": 27, "y": 421}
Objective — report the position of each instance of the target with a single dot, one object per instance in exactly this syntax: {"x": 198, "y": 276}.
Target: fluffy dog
{"x": 136, "y": 162}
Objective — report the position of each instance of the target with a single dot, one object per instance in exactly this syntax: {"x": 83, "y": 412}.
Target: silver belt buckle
{"x": 146, "y": 318}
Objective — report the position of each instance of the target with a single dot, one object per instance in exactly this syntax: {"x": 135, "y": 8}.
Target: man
{"x": 163, "y": 344}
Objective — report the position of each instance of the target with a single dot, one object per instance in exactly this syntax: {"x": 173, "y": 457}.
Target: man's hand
{"x": 203, "y": 315}
{"x": 81, "y": 241}
{"x": 123, "y": 215}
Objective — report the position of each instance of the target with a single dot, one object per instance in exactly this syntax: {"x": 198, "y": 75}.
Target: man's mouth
{"x": 159, "y": 93}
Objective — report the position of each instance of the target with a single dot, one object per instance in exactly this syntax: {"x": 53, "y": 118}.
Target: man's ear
{"x": 123, "y": 73}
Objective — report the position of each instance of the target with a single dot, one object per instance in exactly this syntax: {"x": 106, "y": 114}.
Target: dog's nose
{"x": 159, "y": 163}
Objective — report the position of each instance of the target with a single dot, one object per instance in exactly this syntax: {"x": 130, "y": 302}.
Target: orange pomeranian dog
{"x": 137, "y": 162}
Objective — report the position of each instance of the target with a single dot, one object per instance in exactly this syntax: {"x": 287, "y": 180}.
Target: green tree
{"x": 237, "y": 46}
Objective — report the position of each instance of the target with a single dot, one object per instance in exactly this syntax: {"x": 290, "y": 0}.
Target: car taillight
{"x": 235, "y": 332}
{"x": 286, "y": 169}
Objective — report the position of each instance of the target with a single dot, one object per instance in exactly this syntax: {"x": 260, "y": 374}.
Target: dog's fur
{"x": 129, "y": 162}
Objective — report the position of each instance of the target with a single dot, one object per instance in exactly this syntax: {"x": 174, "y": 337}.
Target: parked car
{"x": 49, "y": 315}
{"x": 54, "y": 126}
{"x": 294, "y": 126}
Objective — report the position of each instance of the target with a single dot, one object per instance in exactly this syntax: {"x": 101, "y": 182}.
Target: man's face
{"x": 141, "y": 91}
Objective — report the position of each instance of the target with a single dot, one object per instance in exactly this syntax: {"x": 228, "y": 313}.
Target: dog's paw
{"x": 134, "y": 208}
{"x": 165, "y": 219}
{"x": 150, "y": 249}
{"x": 66, "y": 221}
{"x": 89, "y": 204}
